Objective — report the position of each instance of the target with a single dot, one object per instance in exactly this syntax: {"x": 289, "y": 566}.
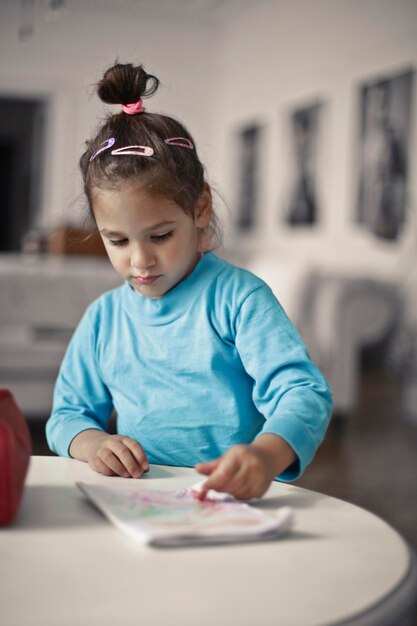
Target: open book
{"x": 169, "y": 518}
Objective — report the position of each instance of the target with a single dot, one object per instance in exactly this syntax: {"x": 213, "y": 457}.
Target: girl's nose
{"x": 142, "y": 257}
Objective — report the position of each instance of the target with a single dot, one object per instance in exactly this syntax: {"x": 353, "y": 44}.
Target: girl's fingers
{"x": 250, "y": 486}
{"x": 207, "y": 468}
{"x": 137, "y": 452}
{"x": 125, "y": 449}
{"x": 100, "y": 467}
{"x": 221, "y": 477}
{"x": 244, "y": 494}
{"x": 235, "y": 473}
{"x": 131, "y": 465}
{"x": 106, "y": 456}
{"x": 239, "y": 483}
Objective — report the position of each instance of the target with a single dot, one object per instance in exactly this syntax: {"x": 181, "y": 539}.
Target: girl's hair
{"x": 173, "y": 171}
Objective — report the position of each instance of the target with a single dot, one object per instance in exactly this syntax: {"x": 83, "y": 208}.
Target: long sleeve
{"x": 213, "y": 363}
{"x": 288, "y": 389}
{"x": 81, "y": 399}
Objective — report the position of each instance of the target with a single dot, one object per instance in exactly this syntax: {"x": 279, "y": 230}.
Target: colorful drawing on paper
{"x": 154, "y": 515}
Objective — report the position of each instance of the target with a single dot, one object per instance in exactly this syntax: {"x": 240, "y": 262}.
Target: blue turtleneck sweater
{"x": 213, "y": 363}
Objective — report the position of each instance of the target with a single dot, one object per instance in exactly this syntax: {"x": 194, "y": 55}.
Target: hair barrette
{"x": 139, "y": 151}
{"x": 103, "y": 146}
{"x": 135, "y": 150}
{"x": 147, "y": 151}
{"x": 182, "y": 142}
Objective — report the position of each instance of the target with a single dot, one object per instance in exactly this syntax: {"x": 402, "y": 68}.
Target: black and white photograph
{"x": 383, "y": 154}
{"x": 248, "y": 166}
{"x": 302, "y": 205}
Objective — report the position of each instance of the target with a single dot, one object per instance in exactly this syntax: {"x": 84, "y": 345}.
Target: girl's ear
{"x": 203, "y": 208}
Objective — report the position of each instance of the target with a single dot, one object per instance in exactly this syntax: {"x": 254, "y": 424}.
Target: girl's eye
{"x": 163, "y": 237}
{"x": 118, "y": 242}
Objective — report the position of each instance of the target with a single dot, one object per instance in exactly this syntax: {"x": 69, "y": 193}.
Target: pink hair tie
{"x": 133, "y": 108}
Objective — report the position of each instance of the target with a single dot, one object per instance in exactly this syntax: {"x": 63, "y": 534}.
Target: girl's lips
{"x": 146, "y": 280}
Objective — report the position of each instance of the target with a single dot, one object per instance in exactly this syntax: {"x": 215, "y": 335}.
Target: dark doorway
{"x": 22, "y": 124}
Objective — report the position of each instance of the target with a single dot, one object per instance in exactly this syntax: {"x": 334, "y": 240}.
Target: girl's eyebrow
{"x": 159, "y": 225}
{"x": 110, "y": 233}
{"x": 115, "y": 233}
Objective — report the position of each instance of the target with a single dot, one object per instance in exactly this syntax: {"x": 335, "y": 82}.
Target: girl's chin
{"x": 146, "y": 293}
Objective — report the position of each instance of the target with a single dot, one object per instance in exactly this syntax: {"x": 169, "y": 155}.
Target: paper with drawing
{"x": 179, "y": 518}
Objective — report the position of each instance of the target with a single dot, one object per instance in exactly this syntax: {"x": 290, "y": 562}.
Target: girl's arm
{"x": 288, "y": 390}
{"x": 81, "y": 399}
{"x": 82, "y": 408}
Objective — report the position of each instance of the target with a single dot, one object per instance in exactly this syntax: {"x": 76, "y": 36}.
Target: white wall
{"x": 286, "y": 53}
{"x": 64, "y": 60}
{"x": 264, "y": 58}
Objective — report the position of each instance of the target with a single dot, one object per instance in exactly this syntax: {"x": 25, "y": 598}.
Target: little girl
{"x": 196, "y": 356}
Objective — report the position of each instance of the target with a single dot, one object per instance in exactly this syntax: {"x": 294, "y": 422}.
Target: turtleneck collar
{"x": 177, "y": 301}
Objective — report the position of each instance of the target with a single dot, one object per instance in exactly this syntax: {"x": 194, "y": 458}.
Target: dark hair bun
{"x": 125, "y": 84}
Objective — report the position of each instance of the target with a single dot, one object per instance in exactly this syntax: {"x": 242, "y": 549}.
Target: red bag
{"x": 15, "y": 451}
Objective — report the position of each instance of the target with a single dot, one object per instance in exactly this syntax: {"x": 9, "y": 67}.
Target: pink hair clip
{"x": 182, "y": 142}
{"x": 141, "y": 150}
{"x": 136, "y": 150}
{"x": 103, "y": 146}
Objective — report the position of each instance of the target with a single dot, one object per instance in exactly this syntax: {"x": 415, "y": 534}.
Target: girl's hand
{"x": 111, "y": 455}
{"x": 246, "y": 471}
{"x": 120, "y": 456}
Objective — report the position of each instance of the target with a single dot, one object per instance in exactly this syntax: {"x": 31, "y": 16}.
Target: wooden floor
{"x": 368, "y": 458}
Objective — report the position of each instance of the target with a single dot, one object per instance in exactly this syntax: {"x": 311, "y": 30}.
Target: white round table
{"x": 63, "y": 564}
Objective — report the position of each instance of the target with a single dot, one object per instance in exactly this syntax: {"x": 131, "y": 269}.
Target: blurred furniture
{"x": 341, "y": 315}
{"x": 64, "y": 240}
{"x": 68, "y": 240}
{"x": 339, "y": 564}
{"x": 42, "y": 299}
{"x": 337, "y": 315}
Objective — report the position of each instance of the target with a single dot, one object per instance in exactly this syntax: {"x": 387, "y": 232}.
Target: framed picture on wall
{"x": 248, "y": 172}
{"x": 302, "y": 201}
{"x": 383, "y": 147}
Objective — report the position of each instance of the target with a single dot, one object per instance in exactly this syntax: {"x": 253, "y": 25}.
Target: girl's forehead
{"x": 125, "y": 189}
{"x": 129, "y": 197}
{"x": 128, "y": 207}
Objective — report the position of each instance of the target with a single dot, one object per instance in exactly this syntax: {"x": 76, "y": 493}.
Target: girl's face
{"x": 151, "y": 242}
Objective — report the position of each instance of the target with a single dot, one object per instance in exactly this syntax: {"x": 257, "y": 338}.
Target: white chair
{"x": 337, "y": 315}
